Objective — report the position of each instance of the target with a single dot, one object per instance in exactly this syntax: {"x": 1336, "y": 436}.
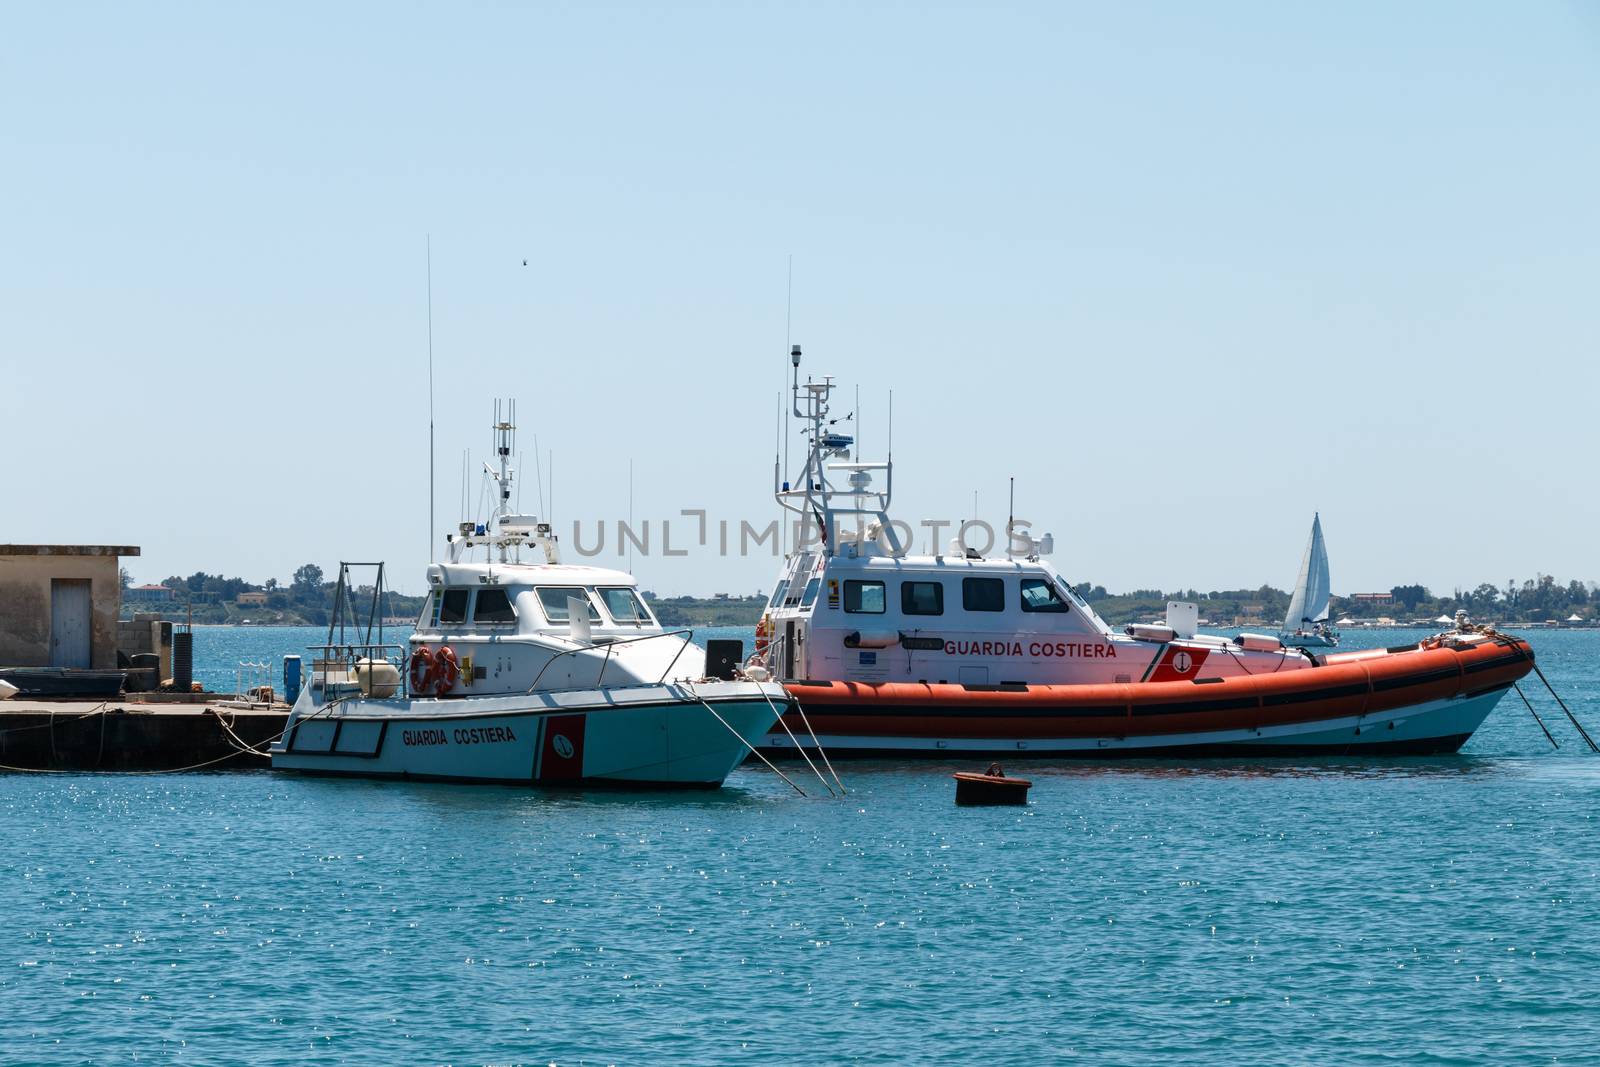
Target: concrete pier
{"x": 134, "y": 735}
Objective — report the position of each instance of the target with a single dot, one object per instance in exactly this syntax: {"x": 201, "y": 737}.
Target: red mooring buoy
{"x": 990, "y": 787}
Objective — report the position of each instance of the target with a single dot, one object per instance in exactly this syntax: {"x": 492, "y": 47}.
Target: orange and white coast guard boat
{"x": 894, "y": 654}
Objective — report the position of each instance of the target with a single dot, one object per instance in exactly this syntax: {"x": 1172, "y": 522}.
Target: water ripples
{"x": 1432, "y": 910}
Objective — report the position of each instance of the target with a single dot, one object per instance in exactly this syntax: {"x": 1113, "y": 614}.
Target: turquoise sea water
{"x": 1442, "y": 910}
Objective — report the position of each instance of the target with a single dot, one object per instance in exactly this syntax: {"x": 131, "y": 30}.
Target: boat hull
{"x": 638, "y": 735}
{"x": 1419, "y": 702}
{"x": 1309, "y": 641}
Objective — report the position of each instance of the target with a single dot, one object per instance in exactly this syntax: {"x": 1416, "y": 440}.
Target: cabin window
{"x": 553, "y": 598}
{"x": 425, "y": 620}
{"x": 777, "y": 594}
{"x": 864, "y": 598}
{"x": 810, "y": 595}
{"x": 1040, "y": 595}
{"x": 624, "y": 605}
{"x": 453, "y": 605}
{"x": 983, "y": 594}
{"x": 493, "y": 606}
{"x": 922, "y": 598}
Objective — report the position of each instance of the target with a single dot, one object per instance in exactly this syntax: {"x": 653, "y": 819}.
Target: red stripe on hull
{"x": 561, "y": 756}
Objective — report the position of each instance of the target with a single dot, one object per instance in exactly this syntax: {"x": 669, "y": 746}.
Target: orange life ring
{"x": 446, "y": 669}
{"x": 422, "y": 666}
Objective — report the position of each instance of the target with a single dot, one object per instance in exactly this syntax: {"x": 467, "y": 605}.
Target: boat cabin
{"x": 942, "y": 619}
{"x": 512, "y": 625}
{"x": 857, "y": 608}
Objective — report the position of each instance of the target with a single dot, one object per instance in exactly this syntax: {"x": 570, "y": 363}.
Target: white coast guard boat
{"x": 895, "y": 654}
{"x": 525, "y": 672}
{"x": 1306, "y": 625}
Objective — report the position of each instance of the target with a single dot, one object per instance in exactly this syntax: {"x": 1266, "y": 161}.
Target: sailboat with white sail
{"x": 1306, "y": 625}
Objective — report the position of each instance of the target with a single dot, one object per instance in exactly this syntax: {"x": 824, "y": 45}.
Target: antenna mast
{"x": 538, "y": 473}
{"x": 505, "y": 528}
{"x": 431, "y": 526}
{"x": 1011, "y": 515}
{"x": 505, "y": 429}
{"x": 813, "y": 496}
{"x": 788, "y": 319}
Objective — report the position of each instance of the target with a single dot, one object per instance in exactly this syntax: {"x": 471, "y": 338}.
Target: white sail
{"x": 1313, "y": 589}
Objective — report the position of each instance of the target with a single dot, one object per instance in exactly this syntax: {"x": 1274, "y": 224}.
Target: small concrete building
{"x": 59, "y": 604}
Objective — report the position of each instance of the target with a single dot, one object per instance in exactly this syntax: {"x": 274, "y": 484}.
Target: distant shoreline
{"x": 1538, "y": 605}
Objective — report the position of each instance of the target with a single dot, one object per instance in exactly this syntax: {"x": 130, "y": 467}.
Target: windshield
{"x": 1038, "y": 595}
{"x": 777, "y": 594}
{"x": 553, "y": 598}
{"x": 625, "y": 605}
{"x": 453, "y": 605}
{"x": 493, "y": 607}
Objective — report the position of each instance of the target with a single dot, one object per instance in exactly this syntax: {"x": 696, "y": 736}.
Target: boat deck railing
{"x": 687, "y": 635}
{"x": 772, "y": 658}
{"x": 338, "y": 661}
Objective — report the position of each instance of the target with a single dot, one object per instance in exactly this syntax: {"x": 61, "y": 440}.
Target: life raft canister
{"x": 446, "y": 669}
{"x": 422, "y": 666}
{"x": 763, "y": 635}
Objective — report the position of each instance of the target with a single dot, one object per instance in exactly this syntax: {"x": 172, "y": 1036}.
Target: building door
{"x": 69, "y": 622}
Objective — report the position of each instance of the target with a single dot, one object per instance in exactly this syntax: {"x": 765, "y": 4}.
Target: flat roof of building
{"x": 69, "y": 550}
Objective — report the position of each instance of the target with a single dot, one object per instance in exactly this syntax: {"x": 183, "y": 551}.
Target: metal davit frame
{"x": 335, "y": 661}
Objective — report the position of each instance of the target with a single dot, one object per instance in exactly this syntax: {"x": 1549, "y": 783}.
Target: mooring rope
{"x": 235, "y": 754}
{"x": 820, "y": 750}
{"x": 165, "y": 770}
{"x": 798, "y": 746}
{"x": 98, "y": 709}
{"x": 241, "y": 744}
{"x": 1574, "y": 719}
{"x": 1535, "y": 714}
{"x": 1517, "y": 645}
{"x": 690, "y": 690}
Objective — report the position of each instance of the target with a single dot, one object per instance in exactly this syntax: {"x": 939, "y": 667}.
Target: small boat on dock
{"x": 54, "y": 683}
{"x": 893, "y": 654}
{"x": 525, "y": 672}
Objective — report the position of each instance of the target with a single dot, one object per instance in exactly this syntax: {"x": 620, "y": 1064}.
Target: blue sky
{"x": 1189, "y": 273}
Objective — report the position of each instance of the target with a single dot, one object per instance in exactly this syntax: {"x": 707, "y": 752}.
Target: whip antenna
{"x": 788, "y": 318}
{"x": 431, "y": 526}
{"x": 1011, "y": 515}
{"x": 538, "y": 473}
